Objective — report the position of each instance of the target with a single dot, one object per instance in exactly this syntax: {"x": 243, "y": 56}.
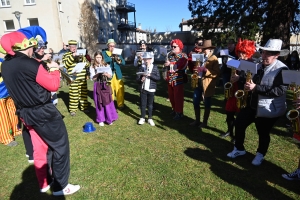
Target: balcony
{"x": 126, "y": 26}
{"x": 124, "y": 6}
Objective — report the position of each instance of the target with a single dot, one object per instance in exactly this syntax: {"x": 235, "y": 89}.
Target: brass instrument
{"x": 117, "y": 59}
{"x": 293, "y": 115}
{"x": 242, "y": 95}
{"x": 140, "y": 60}
{"x": 194, "y": 76}
{"x": 66, "y": 76}
{"x": 228, "y": 86}
{"x": 78, "y": 58}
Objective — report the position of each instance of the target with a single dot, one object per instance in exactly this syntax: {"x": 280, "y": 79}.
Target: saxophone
{"x": 194, "y": 76}
{"x": 228, "y": 86}
{"x": 293, "y": 115}
{"x": 242, "y": 95}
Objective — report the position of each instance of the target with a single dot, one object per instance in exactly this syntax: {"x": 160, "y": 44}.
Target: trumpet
{"x": 66, "y": 76}
{"x": 140, "y": 60}
{"x": 194, "y": 76}
{"x": 78, "y": 58}
{"x": 117, "y": 59}
{"x": 228, "y": 86}
{"x": 242, "y": 95}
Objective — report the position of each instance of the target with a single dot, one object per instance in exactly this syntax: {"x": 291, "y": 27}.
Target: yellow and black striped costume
{"x": 78, "y": 89}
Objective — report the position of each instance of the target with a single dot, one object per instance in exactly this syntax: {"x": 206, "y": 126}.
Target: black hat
{"x": 142, "y": 42}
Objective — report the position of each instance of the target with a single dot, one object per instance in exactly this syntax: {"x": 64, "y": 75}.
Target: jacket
{"x": 154, "y": 77}
{"x": 115, "y": 67}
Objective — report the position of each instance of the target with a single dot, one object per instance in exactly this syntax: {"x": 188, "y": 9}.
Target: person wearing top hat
{"x": 9, "y": 120}
{"x": 115, "y": 62}
{"x": 208, "y": 71}
{"x": 266, "y": 101}
{"x": 147, "y": 82}
{"x": 176, "y": 64}
{"x": 78, "y": 92}
{"x": 138, "y": 60}
{"x": 34, "y": 107}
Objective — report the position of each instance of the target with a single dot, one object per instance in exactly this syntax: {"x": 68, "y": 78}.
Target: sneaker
{"x": 258, "y": 159}
{"x": 30, "y": 161}
{"x": 27, "y": 155}
{"x": 72, "y": 114}
{"x": 110, "y": 124}
{"x": 12, "y": 144}
{"x": 235, "y": 153}
{"x": 69, "y": 189}
{"x": 150, "y": 121}
{"x": 224, "y": 135}
{"x": 292, "y": 176}
{"x": 101, "y": 124}
{"x": 141, "y": 121}
{"x": 45, "y": 189}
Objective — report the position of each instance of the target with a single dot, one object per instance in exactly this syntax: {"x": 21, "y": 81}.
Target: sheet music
{"x": 163, "y": 51}
{"x": 104, "y": 69}
{"x": 289, "y": 76}
{"x": 233, "y": 63}
{"x": 80, "y": 52}
{"x": 117, "y": 51}
{"x": 142, "y": 73}
{"x": 224, "y": 52}
{"x": 78, "y": 68}
{"x": 198, "y": 56}
{"x": 57, "y": 57}
{"x": 247, "y": 65}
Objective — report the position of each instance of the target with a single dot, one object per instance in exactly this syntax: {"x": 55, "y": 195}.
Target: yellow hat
{"x": 72, "y": 42}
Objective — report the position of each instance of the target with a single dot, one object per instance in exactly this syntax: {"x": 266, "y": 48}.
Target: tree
{"x": 89, "y": 27}
{"x": 251, "y": 19}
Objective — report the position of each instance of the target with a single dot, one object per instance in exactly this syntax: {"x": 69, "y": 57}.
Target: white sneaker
{"x": 101, "y": 124}
{"x": 258, "y": 159}
{"x": 141, "y": 121}
{"x": 235, "y": 153}
{"x": 151, "y": 122}
{"x": 45, "y": 189}
{"x": 69, "y": 189}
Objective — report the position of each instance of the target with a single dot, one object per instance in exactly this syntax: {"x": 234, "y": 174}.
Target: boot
{"x": 197, "y": 117}
{"x": 205, "y": 118}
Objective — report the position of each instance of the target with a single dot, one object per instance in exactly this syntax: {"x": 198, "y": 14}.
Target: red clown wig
{"x": 245, "y": 46}
{"x": 178, "y": 42}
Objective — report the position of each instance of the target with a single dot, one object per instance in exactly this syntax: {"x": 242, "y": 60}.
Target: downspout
{"x": 61, "y": 32}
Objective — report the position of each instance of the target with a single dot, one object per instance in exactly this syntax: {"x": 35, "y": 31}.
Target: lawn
{"x": 169, "y": 161}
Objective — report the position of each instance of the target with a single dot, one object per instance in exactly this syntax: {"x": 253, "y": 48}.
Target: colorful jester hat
{"x": 22, "y": 39}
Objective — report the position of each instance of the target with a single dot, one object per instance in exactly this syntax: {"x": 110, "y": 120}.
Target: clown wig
{"x": 178, "y": 42}
{"x": 245, "y": 46}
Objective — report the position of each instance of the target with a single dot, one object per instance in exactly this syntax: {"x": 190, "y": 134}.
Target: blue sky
{"x": 160, "y": 14}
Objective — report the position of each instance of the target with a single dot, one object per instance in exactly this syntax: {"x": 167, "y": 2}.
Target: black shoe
{"x": 292, "y": 176}
{"x": 86, "y": 111}
{"x": 173, "y": 113}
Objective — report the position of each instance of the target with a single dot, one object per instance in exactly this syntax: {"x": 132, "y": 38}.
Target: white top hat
{"x": 274, "y": 45}
{"x": 147, "y": 55}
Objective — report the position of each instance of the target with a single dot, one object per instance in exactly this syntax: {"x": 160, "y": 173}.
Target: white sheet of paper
{"x": 196, "y": 56}
{"x": 246, "y": 65}
{"x": 233, "y": 63}
{"x": 163, "y": 50}
{"x": 103, "y": 69}
{"x": 57, "y": 57}
{"x": 142, "y": 73}
{"x": 224, "y": 52}
{"x": 117, "y": 51}
{"x": 289, "y": 76}
{"x": 78, "y": 68}
{"x": 220, "y": 61}
{"x": 80, "y": 52}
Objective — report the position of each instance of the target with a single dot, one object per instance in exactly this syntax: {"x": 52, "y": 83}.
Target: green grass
{"x": 169, "y": 161}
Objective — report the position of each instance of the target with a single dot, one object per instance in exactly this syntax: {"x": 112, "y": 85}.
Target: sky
{"x": 164, "y": 15}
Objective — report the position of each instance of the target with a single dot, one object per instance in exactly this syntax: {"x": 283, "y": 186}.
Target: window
{"x": 5, "y": 3}
{"x": 33, "y": 22}
{"x": 29, "y": 2}
{"x": 9, "y": 24}
{"x": 100, "y": 13}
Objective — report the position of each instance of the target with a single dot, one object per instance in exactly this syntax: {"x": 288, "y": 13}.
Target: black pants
{"x": 55, "y": 134}
{"x": 147, "y": 100}
{"x": 27, "y": 142}
{"x": 263, "y": 126}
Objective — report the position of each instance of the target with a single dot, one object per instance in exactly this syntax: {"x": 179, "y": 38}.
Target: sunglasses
{"x": 174, "y": 47}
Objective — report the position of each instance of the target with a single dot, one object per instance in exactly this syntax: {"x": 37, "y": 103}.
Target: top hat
{"x": 88, "y": 127}
{"x": 207, "y": 45}
{"x": 274, "y": 45}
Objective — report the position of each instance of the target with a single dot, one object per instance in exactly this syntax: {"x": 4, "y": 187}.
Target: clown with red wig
{"x": 176, "y": 77}
{"x": 244, "y": 50}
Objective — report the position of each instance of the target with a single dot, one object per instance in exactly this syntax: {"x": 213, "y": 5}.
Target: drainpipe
{"x": 61, "y": 32}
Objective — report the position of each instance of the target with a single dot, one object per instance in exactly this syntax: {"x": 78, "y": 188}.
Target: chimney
{"x": 182, "y": 20}
{"x": 140, "y": 26}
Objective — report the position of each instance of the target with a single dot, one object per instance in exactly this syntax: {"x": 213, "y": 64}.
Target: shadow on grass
{"x": 261, "y": 181}
{"x": 29, "y": 188}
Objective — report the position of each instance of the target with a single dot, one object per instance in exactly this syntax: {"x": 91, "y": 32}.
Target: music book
{"x": 197, "y": 56}
{"x": 233, "y": 63}
{"x": 163, "y": 51}
{"x": 57, "y": 57}
{"x": 78, "y": 67}
{"x": 142, "y": 73}
{"x": 224, "y": 52}
{"x": 80, "y": 52}
{"x": 247, "y": 65}
{"x": 291, "y": 76}
{"x": 104, "y": 69}
{"x": 117, "y": 51}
